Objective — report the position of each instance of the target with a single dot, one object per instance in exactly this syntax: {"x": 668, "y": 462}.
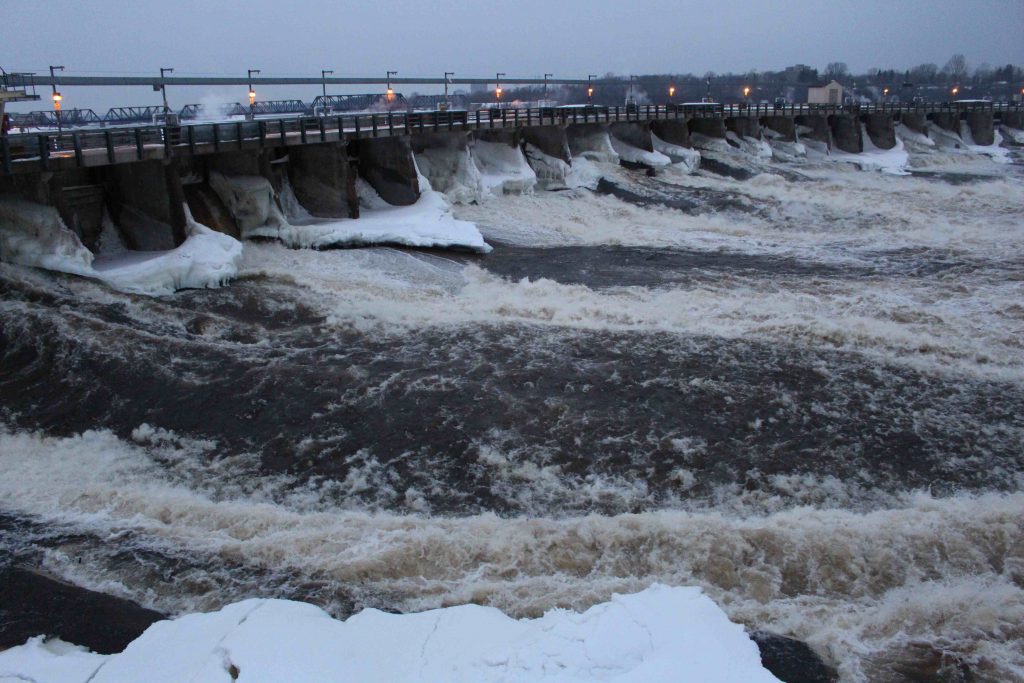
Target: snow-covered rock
{"x": 635, "y": 155}
{"x": 659, "y": 635}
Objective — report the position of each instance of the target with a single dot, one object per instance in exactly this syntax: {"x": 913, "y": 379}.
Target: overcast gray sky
{"x": 569, "y": 38}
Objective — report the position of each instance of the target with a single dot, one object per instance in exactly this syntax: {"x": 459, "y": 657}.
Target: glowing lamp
{"x": 497, "y": 93}
{"x": 590, "y": 92}
{"x": 746, "y": 91}
{"x": 391, "y": 94}
{"x": 955, "y": 91}
{"x": 252, "y": 97}
{"x": 671, "y": 91}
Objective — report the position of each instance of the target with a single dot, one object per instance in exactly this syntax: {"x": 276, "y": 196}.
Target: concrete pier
{"x": 881, "y": 130}
{"x": 744, "y": 126}
{"x": 674, "y": 132}
{"x": 635, "y": 134}
{"x": 323, "y": 178}
{"x": 388, "y": 165}
{"x": 785, "y": 126}
{"x": 552, "y": 140}
{"x": 712, "y": 128}
{"x": 817, "y": 128}
{"x": 982, "y": 127}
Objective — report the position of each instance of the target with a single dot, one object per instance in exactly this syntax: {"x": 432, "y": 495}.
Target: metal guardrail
{"x": 98, "y": 147}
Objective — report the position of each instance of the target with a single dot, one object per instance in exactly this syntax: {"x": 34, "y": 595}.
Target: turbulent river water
{"x": 802, "y": 391}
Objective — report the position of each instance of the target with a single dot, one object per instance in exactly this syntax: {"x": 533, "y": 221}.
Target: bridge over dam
{"x": 157, "y": 170}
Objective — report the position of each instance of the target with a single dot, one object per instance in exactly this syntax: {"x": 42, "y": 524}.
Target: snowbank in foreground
{"x": 35, "y": 235}
{"x": 660, "y": 634}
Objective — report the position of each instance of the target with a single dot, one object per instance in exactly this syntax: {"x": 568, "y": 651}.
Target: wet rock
{"x": 32, "y": 604}
{"x": 792, "y": 661}
{"x": 723, "y": 169}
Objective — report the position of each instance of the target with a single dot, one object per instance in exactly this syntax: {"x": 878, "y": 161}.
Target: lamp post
{"x": 163, "y": 85}
{"x": 590, "y": 88}
{"x": 671, "y": 94}
{"x": 885, "y": 95}
{"x": 746, "y": 96}
{"x": 252, "y": 95}
{"x": 497, "y": 87}
{"x": 447, "y": 79}
{"x": 954, "y": 91}
{"x": 390, "y": 93}
{"x": 629, "y": 98}
{"x": 57, "y": 97}
{"x": 546, "y": 77}
{"x": 323, "y": 78}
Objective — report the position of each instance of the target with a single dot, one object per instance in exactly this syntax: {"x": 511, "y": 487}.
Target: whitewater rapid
{"x": 802, "y": 393}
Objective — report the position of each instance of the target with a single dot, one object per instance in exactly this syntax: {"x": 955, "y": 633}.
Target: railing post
{"x": 76, "y": 140}
{"x": 191, "y": 140}
{"x": 302, "y": 130}
{"x": 515, "y": 117}
{"x": 341, "y": 128}
{"x": 110, "y": 145}
{"x": 44, "y": 152}
{"x": 391, "y": 124}
{"x": 478, "y": 119}
{"x": 138, "y": 142}
{"x": 238, "y": 133}
{"x": 262, "y": 128}
{"x": 282, "y": 133}
{"x": 323, "y": 129}
{"x": 5, "y": 152}
{"x": 357, "y": 126}
{"x": 216, "y": 137}
{"x": 373, "y": 123}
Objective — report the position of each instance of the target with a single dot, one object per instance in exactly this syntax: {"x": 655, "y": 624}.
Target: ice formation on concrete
{"x": 659, "y": 635}
{"x": 628, "y": 152}
{"x": 35, "y": 235}
{"x": 683, "y": 158}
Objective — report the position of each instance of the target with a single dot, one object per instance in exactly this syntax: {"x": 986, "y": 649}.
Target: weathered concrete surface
{"x": 208, "y": 208}
{"x": 637, "y": 134}
{"x": 744, "y": 126}
{"x": 846, "y": 133}
{"x": 81, "y": 207}
{"x": 236, "y": 163}
{"x": 588, "y": 138}
{"x": 713, "y": 128}
{"x": 146, "y": 201}
{"x": 818, "y": 128}
{"x": 673, "y": 131}
{"x": 324, "y": 180}
{"x": 946, "y": 120}
{"x": 881, "y": 129}
{"x": 508, "y": 136}
{"x": 1013, "y": 119}
{"x": 982, "y": 126}
{"x": 388, "y": 165}
{"x": 552, "y": 140}
{"x": 915, "y": 122}
{"x": 785, "y": 126}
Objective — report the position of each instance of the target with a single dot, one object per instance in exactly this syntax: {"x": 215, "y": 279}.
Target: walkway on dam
{"x": 88, "y": 147}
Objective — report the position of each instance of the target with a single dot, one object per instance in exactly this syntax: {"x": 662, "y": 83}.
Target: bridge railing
{"x": 89, "y": 147}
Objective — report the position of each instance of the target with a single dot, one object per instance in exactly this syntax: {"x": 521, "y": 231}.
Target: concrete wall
{"x": 982, "y": 125}
{"x": 946, "y": 120}
{"x": 146, "y": 200}
{"x": 713, "y": 128}
{"x": 881, "y": 129}
{"x": 846, "y": 133}
{"x": 636, "y": 134}
{"x": 672, "y": 131}
{"x": 388, "y": 165}
{"x": 1013, "y": 119}
{"x": 324, "y": 179}
{"x": 915, "y": 122}
{"x": 785, "y": 126}
{"x": 208, "y": 208}
{"x": 819, "y": 128}
{"x": 744, "y": 126}
{"x": 551, "y": 140}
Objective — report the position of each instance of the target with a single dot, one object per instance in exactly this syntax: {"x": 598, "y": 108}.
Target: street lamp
{"x": 252, "y": 95}
{"x": 590, "y": 88}
{"x": 746, "y": 92}
{"x": 956, "y": 89}
{"x": 56, "y": 96}
{"x": 390, "y": 92}
{"x": 497, "y": 87}
{"x": 323, "y": 78}
{"x": 546, "y": 77}
{"x": 629, "y": 100}
{"x": 671, "y": 93}
{"x": 163, "y": 85}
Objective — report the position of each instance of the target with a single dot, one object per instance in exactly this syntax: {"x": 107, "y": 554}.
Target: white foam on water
{"x": 856, "y": 586}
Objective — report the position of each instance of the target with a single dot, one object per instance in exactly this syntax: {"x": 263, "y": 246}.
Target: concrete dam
{"x": 257, "y": 178}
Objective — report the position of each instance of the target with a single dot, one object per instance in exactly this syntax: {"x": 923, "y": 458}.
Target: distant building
{"x": 825, "y": 94}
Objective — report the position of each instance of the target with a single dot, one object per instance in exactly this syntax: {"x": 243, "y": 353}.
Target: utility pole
{"x": 163, "y": 85}
{"x": 323, "y": 77}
